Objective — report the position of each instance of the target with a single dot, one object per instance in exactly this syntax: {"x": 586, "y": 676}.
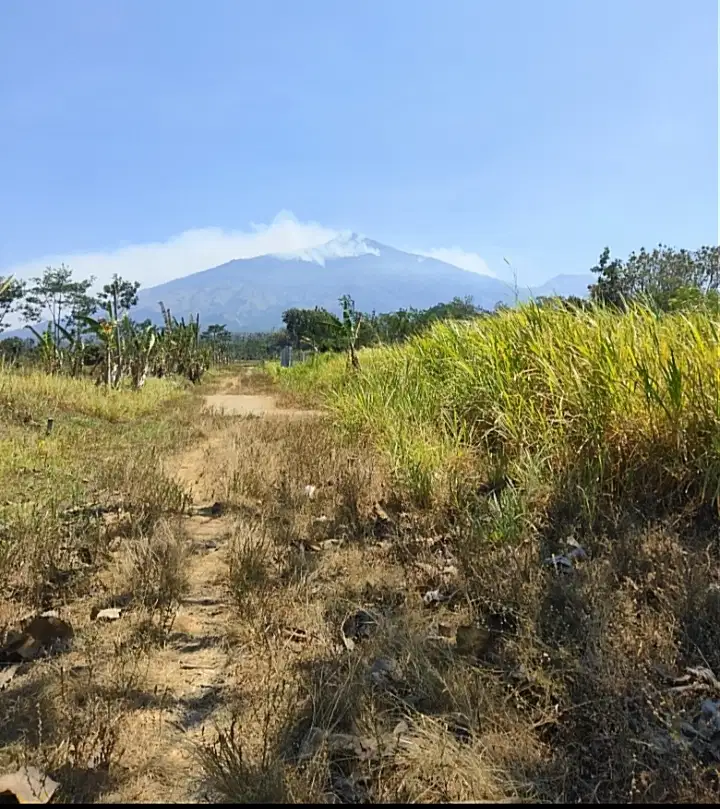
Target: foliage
{"x": 15, "y": 350}
{"x": 618, "y": 404}
{"x": 323, "y": 331}
{"x": 76, "y": 336}
{"x": 314, "y": 328}
{"x": 122, "y": 295}
{"x": 350, "y": 330}
{"x": 179, "y": 348}
{"x": 666, "y": 278}
{"x": 59, "y": 298}
{"x": 11, "y": 292}
{"x": 394, "y": 327}
{"x": 218, "y": 338}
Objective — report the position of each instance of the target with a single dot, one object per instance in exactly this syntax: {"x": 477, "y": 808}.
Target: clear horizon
{"x": 146, "y": 139}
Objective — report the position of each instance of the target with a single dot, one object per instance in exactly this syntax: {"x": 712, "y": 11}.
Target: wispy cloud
{"x": 472, "y": 262}
{"x": 189, "y": 252}
{"x": 201, "y": 249}
{"x": 344, "y": 245}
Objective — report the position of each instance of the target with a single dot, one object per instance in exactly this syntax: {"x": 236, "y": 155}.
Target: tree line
{"x": 95, "y": 332}
{"x": 665, "y": 278}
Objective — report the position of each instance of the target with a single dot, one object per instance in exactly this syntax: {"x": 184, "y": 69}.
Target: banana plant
{"x": 107, "y": 333}
{"x": 351, "y": 322}
{"x": 51, "y": 354}
{"x": 143, "y": 342}
{"x": 181, "y": 351}
{"x": 75, "y": 351}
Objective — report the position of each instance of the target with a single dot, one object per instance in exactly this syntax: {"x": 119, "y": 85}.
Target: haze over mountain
{"x": 251, "y": 294}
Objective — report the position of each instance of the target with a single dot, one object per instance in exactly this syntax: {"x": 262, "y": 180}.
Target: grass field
{"x": 522, "y": 436}
{"x": 597, "y": 406}
{"x": 489, "y": 572}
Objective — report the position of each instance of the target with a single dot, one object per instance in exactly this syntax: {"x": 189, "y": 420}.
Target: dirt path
{"x": 233, "y": 404}
{"x": 284, "y": 639}
{"x": 197, "y": 667}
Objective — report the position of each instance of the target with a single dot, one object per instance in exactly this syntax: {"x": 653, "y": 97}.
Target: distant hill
{"x": 566, "y": 285}
{"x": 251, "y": 294}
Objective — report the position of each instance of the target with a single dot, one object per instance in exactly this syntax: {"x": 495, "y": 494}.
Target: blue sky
{"x": 537, "y": 131}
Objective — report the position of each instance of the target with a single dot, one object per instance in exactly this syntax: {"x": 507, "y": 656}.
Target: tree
{"x": 457, "y": 309}
{"x": 394, "y": 327}
{"x": 122, "y": 295}
{"x": 216, "y": 333}
{"x": 316, "y": 328}
{"x": 612, "y": 287}
{"x": 57, "y": 297}
{"x": 11, "y": 293}
{"x": 117, "y": 298}
{"x": 13, "y": 349}
{"x": 219, "y": 339}
{"x": 665, "y": 277}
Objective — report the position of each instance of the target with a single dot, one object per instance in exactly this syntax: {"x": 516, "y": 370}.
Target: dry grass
{"x": 567, "y": 686}
{"x": 89, "y": 520}
{"x": 282, "y": 644}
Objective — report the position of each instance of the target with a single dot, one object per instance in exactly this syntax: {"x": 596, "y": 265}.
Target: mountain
{"x": 566, "y": 285}
{"x": 251, "y": 294}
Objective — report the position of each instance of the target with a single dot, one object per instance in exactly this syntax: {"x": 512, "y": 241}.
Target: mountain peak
{"x": 344, "y": 245}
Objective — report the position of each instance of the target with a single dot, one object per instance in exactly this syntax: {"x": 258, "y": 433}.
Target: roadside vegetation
{"x": 551, "y": 491}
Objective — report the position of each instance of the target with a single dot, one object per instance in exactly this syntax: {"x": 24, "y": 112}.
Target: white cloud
{"x": 190, "y": 252}
{"x": 344, "y": 245}
{"x": 459, "y": 258}
{"x": 203, "y": 248}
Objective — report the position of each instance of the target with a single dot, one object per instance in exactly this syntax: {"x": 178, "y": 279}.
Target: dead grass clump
{"x": 70, "y": 715}
{"x": 46, "y": 553}
{"x": 308, "y": 485}
{"x": 244, "y": 761}
{"x": 552, "y": 666}
{"x": 155, "y": 571}
{"x": 598, "y": 648}
{"x": 141, "y": 489}
{"x": 250, "y": 559}
{"x": 402, "y": 719}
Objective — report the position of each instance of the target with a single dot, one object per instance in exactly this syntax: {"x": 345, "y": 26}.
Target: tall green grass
{"x": 595, "y": 403}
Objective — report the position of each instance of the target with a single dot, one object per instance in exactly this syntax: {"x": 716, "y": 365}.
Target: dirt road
{"x": 199, "y": 667}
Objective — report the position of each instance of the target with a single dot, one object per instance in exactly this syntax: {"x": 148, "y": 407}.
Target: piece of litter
{"x": 559, "y": 563}
{"x": 356, "y": 627}
{"x": 434, "y": 597}
{"x": 28, "y": 785}
{"x": 710, "y": 708}
{"x": 109, "y": 614}
{"x": 310, "y": 491}
{"x": 6, "y": 675}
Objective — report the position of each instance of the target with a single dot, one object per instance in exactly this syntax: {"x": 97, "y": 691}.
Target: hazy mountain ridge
{"x": 251, "y": 294}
